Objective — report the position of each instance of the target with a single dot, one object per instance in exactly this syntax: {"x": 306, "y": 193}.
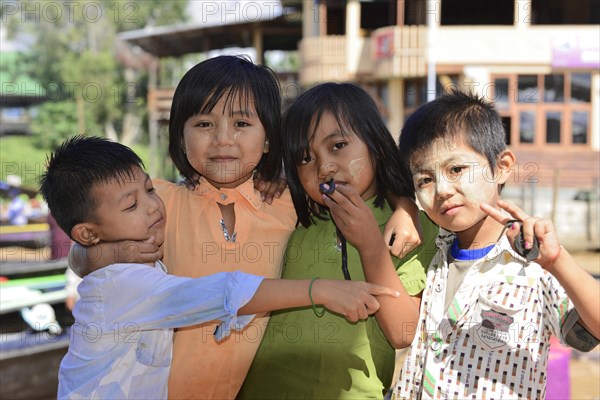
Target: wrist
{"x": 553, "y": 262}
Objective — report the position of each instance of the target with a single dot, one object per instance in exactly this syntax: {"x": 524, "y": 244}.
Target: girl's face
{"x": 225, "y": 145}
{"x": 343, "y": 158}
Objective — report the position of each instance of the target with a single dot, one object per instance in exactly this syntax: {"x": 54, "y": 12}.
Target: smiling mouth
{"x": 223, "y": 159}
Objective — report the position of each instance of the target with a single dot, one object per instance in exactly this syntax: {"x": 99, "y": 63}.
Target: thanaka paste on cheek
{"x": 478, "y": 186}
{"x": 356, "y": 168}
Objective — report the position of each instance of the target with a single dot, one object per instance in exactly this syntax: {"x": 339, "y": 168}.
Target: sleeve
{"x": 557, "y": 304}
{"x": 412, "y": 269}
{"x": 150, "y": 299}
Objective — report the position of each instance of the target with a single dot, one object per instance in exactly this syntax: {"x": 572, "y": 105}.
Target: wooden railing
{"x": 405, "y": 55}
{"x": 323, "y": 59}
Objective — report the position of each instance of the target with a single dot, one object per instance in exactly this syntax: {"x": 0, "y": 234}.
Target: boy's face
{"x": 225, "y": 145}
{"x": 451, "y": 180}
{"x": 129, "y": 210}
{"x": 343, "y": 158}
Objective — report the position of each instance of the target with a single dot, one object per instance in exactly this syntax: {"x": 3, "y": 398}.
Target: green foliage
{"x": 57, "y": 121}
{"x": 21, "y": 156}
{"x": 73, "y": 56}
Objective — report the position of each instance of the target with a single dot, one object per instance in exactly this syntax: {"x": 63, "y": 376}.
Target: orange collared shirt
{"x": 195, "y": 246}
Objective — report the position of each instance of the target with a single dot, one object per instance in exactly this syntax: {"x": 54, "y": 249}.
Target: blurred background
{"x": 109, "y": 68}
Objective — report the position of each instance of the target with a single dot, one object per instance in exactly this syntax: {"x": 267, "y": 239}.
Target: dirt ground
{"x": 584, "y": 368}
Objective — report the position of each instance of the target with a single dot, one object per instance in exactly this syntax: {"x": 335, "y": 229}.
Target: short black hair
{"x": 202, "y": 87}
{"x": 355, "y": 112}
{"x": 75, "y": 169}
{"x": 453, "y": 117}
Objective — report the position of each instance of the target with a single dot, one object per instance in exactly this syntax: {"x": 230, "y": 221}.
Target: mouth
{"x": 157, "y": 224}
{"x": 223, "y": 159}
{"x": 450, "y": 209}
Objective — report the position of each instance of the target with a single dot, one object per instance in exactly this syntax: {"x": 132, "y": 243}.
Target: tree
{"x": 74, "y": 56}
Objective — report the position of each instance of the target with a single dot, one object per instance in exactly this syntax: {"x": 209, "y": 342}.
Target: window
{"x": 544, "y": 109}
{"x": 527, "y": 127}
{"x": 477, "y": 12}
{"x": 565, "y": 12}
{"x": 554, "y": 91}
{"x": 528, "y": 89}
{"x": 581, "y": 88}
{"x": 553, "y": 119}
{"x": 580, "y": 126}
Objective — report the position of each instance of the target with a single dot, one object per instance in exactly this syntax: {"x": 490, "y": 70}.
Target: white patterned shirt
{"x": 122, "y": 339}
{"x": 493, "y": 341}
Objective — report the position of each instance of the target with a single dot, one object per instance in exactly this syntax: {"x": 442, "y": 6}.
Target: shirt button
{"x": 223, "y": 196}
{"x": 435, "y": 346}
{"x": 438, "y": 287}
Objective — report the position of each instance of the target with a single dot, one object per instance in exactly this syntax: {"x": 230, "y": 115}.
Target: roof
{"x": 280, "y": 33}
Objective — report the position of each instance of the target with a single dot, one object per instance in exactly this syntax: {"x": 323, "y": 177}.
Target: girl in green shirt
{"x": 335, "y": 138}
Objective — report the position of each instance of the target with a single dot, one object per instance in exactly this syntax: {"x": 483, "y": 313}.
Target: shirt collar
{"x": 225, "y": 196}
{"x": 445, "y": 238}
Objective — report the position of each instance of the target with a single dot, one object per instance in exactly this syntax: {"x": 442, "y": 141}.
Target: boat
{"x": 30, "y": 349}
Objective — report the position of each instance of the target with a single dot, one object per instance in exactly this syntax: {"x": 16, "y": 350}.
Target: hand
{"x": 353, "y": 218}
{"x": 353, "y": 299}
{"x": 405, "y": 228}
{"x": 84, "y": 260}
{"x": 270, "y": 190}
{"x": 543, "y": 230}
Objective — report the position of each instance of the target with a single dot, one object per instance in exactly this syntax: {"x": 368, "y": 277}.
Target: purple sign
{"x": 575, "y": 52}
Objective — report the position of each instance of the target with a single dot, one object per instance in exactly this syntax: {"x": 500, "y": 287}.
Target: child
{"x": 486, "y": 314}
{"x": 334, "y": 133}
{"x": 122, "y": 338}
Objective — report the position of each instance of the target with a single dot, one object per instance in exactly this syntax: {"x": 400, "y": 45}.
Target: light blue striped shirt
{"x": 122, "y": 339}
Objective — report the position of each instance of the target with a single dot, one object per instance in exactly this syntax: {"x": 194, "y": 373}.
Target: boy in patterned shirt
{"x": 486, "y": 313}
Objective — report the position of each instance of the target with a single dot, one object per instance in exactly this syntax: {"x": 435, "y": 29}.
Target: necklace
{"x": 228, "y": 237}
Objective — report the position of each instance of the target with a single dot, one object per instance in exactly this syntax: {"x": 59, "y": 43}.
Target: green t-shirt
{"x": 303, "y": 356}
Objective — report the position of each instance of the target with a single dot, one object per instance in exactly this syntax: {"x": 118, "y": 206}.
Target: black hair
{"x": 453, "y": 117}
{"x": 75, "y": 169}
{"x": 234, "y": 77}
{"x": 356, "y": 113}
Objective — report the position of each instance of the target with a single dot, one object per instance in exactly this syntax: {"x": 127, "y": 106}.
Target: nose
{"x": 326, "y": 170}
{"x": 444, "y": 187}
{"x": 224, "y": 135}
{"x": 153, "y": 204}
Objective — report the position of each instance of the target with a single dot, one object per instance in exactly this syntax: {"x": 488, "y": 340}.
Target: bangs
{"x": 238, "y": 98}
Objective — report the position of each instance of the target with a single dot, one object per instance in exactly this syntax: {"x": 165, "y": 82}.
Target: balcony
{"x": 323, "y": 59}
{"x": 399, "y": 51}
{"x": 389, "y": 52}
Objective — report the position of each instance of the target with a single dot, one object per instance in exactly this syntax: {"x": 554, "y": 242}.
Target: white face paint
{"x": 451, "y": 181}
{"x": 356, "y": 168}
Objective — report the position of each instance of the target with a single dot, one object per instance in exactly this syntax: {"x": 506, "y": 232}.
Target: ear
{"x": 84, "y": 234}
{"x": 266, "y": 147}
{"x": 505, "y": 165}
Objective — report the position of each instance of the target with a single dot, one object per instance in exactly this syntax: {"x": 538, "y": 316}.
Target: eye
{"x": 241, "y": 124}
{"x": 305, "y": 160}
{"x": 339, "y": 145}
{"x": 203, "y": 124}
{"x": 151, "y": 190}
{"x": 131, "y": 207}
{"x": 424, "y": 181}
{"x": 457, "y": 169}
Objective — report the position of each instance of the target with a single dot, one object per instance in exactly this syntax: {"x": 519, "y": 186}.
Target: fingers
{"x": 346, "y": 196}
{"x": 379, "y": 290}
{"x": 513, "y": 210}
{"x": 495, "y": 213}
